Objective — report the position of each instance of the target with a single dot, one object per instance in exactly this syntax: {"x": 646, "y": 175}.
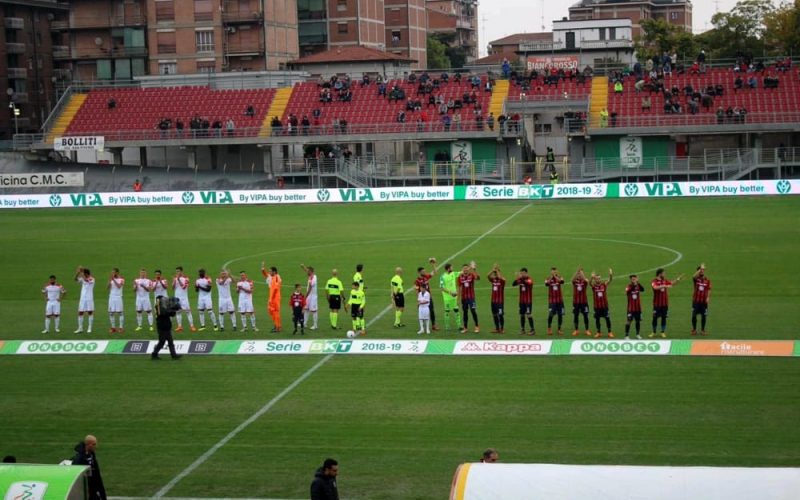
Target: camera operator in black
{"x": 164, "y": 326}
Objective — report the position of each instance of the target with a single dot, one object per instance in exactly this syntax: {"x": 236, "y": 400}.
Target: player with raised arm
{"x": 580, "y": 304}
{"x": 498, "y": 298}
{"x": 424, "y": 278}
{"x": 600, "y": 299}
{"x": 245, "y": 288}
{"x": 398, "y": 297}
{"x": 180, "y": 289}
{"x": 141, "y": 287}
{"x": 357, "y": 302}
{"x": 311, "y": 306}
{"x": 555, "y": 300}
{"x": 525, "y": 284}
{"x": 661, "y": 286}
{"x": 274, "y": 282}
{"x": 466, "y": 290}
{"x": 700, "y": 298}
{"x": 448, "y": 284}
{"x": 225, "y": 300}
{"x": 634, "y": 292}
{"x": 52, "y": 292}
{"x": 334, "y": 292}
{"x": 86, "y": 302}
{"x": 203, "y": 285}
{"x": 115, "y": 307}
{"x": 160, "y": 286}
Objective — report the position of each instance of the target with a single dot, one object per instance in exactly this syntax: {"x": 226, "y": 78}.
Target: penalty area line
{"x": 275, "y": 400}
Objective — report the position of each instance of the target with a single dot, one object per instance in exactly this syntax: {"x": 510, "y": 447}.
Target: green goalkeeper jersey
{"x": 447, "y": 282}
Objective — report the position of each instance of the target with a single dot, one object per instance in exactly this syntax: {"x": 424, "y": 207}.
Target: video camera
{"x": 168, "y": 306}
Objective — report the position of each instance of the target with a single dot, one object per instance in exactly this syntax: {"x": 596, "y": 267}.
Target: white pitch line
{"x": 275, "y": 400}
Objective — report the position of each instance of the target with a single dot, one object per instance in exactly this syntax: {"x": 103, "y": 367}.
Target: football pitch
{"x": 399, "y": 425}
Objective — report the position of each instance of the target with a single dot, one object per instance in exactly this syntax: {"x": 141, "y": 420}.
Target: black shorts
{"x": 497, "y": 308}
{"x": 660, "y": 312}
{"x": 399, "y": 300}
{"x": 635, "y": 316}
{"x": 356, "y": 311}
{"x": 468, "y": 304}
{"x": 297, "y": 312}
{"x": 556, "y": 308}
{"x": 601, "y": 312}
{"x": 700, "y": 309}
{"x": 580, "y": 308}
{"x": 335, "y": 302}
{"x": 525, "y": 309}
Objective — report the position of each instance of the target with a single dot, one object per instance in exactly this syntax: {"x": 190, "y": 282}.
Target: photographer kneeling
{"x": 166, "y": 307}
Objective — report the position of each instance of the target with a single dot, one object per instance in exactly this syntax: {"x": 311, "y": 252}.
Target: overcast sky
{"x": 499, "y": 18}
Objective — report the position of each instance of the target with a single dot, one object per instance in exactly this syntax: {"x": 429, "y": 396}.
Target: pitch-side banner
{"x": 426, "y": 193}
{"x": 79, "y": 143}
{"x": 41, "y": 180}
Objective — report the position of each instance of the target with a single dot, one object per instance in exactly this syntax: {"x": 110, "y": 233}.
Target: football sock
{"x": 627, "y": 329}
{"x": 522, "y": 321}
{"x": 138, "y": 318}
{"x": 550, "y": 320}
{"x": 560, "y": 320}
{"x": 91, "y": 320}
{"x": 179, "y": 319}
{"x": 585, "y": 321}
{"x": 334, "y": 319}
{"x": 608, "y": 323}
{"x": 57, "y": 320}
{"x": 475, "y": 316}
{"x": 121, "y": 320}
{"x": 663, "y": 324}
{"x": 655, "y": 323}
{"x": 703, "y": 322}
{"x": 47, "y": 323}
{"x": 113, "y": 320}
{"x": 243, "y": 317}
{"x": 189, "y": 317}
{"x": 638, "y": 326}
{"x": 150, "y": 318}
{"x": 397, "y": 316}
{"x": 427, "y": 325}
{"x": 253, "y": 320}
{"x": 597, "y": 324}
{"x": 202, "y": 317}
{"x": 530, "y": 322}
{"x": 464, "y": 318}
{"x": 355, "y": 324}
{"x": 502, "y": 320}
{"x": 80, "y": 322}
{"x": 421, "y": 325}
{"x": 306, "y": 314}
{"x": 315, "y": 319}
{"x": 496, "y": 319}
{"x": 575, "y": 320}
{"x": 213, "y": 318}
{"x": 694, "y": 322}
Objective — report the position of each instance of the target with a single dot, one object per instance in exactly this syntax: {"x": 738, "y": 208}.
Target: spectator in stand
{"x": 382, "y": 89}
{"x": 250, "y": 111}
{"x": 738, "y": 84}
{"x": 442, "y": 109}
{"x": 365, "y": 80}
{"x": 306, "y": 123}
{"x": 694, "y": 107}
{"x": 646, "y": 103}
{"x": 667, "y": 106}
{"x": 604, "y": 118}
{"x": 614, "y": 119}
{"x": 230, "y": 126}
{"x": 688, "y": 90}
{"x": 217, "y": 126}
{"x": 478, "y": 120}
{"x": 137, "y": 186}
{"x": 506, "y": 68}
{"x": 457, "y": 121}
{"x": 752, "y": 82}
{"x": 179, "y": 127}
{"x": 446, "y": 121}
{"x": 431, "y": 101}
{"x": 707, "y": 101}
{"x": 639, "y": 85}
{"x": 720, "y": 116}
{"x": 618, "y": 87}
{"x": 771, "y": 82}
{"x": 475, "y": 81}
{"x": 112, "y": 103}
{"x": 695, "y": 69}
{"x": 276, "y": 125}
{"x": 701, "y": 57}
{"x": 490, "y": 121}
{"x": 401, "y": 117}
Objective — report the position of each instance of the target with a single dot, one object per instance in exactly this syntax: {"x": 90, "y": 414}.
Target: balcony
{"x": 15, "y": 48}
{"x": 606, "y": 44}
{"x": 59, "y": 24}
{"x": 61, "y": 52}
{"x": 464, "y": 24}
{"x": 20, "y": 97}
{"x": 15, "y": 23}
{"x": 129, "y": 52}
{"x": 62, "y": 74}
{"x": 241, "y": 17}
{"x": 244, "y": 49}
{"x": 107, "y": 22}
{"x": 203, "y": 16}
{"x": 18, "y": 72}
{"x": 166, "y": 48}
{"x": 544, "y": 46}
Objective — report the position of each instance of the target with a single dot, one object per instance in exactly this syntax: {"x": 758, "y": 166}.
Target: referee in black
{"x": 164, "y": 327}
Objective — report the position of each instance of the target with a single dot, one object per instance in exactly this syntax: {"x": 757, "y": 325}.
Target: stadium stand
{"x": 144, "y": 109}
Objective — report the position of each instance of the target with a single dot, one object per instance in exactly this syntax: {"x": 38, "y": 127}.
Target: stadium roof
{"x": 518, "y": 38}
{"x": 352, "y": 53}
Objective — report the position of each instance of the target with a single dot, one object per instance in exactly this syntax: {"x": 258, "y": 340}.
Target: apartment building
{"x": 677, "y": 12}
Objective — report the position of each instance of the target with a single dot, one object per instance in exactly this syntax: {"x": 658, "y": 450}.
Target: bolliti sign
{"x": 42, "y": 180}
{"x": 79, "y": 143}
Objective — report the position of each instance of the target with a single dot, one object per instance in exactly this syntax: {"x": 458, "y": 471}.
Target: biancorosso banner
{"x": 426, "y": 193}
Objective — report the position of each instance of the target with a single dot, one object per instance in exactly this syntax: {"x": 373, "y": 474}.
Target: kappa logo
{"x": 784, "y": 187}
{"x": 323, "y": 195}
{"x": 55, "y": 200}
{"x": 631, "y": 190}
{"x": 188, "y": 197}
{"x": 471, "y": 347}
{"x": 473, "y": 192}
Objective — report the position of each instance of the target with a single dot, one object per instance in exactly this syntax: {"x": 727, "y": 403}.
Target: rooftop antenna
{"x": 543, "y": 28}
{"x": 716, "y": 4}
{"x": 483, "y": 33}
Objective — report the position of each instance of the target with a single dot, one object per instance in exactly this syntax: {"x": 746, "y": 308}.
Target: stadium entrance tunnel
{"x": 490, "y": 481}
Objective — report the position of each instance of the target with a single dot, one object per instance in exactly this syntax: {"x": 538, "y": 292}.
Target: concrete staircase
{"x": 599, "y": 100}
{"x": 499, "y": 96}
{"x": 65, "y": 118}
{"x": 277, "y": 108}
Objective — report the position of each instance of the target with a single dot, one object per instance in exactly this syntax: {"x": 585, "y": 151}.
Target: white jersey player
{"x": 245, "y": 288}
{"x": 142, "y": 286}
{"x": 180, "y": 289}
{"x": 160, "y": 286}
{"x": 52, "y": 293}
{"x": 115, "y": 308}
{"x": 225, "y": 301}
{"x": 86, "y": 302}
{"x": 311, "y": 296}
{"x": 203, "y": 285}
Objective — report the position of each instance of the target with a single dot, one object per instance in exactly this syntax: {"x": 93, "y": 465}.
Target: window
{"x": 673, "y": 16}
{"x": 206, "y": 67}
{"x": 167, "y": 68}
{"x": 542, "y": 128}
{"x": 205, "y": 41}
{"x": 612, "y": 33}
{"x": 396, "y": 37}
{"x": 166, "y": 42}
{"x": 165, "y": 10}
{"x": 602, "y": 33}
{"x": 342, "y": 28}
{"x": 341, "y": 5}
{"x": 203, "y": 10}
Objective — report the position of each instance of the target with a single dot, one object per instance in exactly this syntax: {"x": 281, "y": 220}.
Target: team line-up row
{"x": 457, "y": 289}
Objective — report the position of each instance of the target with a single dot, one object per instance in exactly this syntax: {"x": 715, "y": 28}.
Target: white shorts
{"x": 143, "y": 304}
{"x": 425, "y": 312}
{"x": 115, "y": 304}
{"x": 185, "y": 304}
{"x": 86, "y": 305}
{"x": 204, "y": 304}
{"x": 245, "y": 306}
{"x": 311, "y": 303}
{"x": 226, "y": 305}
{"x": 53, "y": 308}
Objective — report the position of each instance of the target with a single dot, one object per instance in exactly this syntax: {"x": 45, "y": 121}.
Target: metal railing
{"x": 705, "y": 119}
{"x": 15, "y": 48}
{"x": 55, "y": 113}
{"x": 241, "y": 16}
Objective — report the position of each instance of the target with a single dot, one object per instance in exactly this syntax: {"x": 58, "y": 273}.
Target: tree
{"x": 659, "y": 36}
{"x": 437, "y": 56}
{"x": 738, "y": 32}
{"x": 783, "y": 29}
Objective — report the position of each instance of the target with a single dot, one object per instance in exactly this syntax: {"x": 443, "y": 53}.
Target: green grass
{"x": 398, "y": 425}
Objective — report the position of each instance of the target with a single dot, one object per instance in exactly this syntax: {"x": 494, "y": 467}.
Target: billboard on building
{"x": 540, "y": 63}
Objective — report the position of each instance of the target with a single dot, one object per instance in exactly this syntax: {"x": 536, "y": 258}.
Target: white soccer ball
{"x": 351, "y": 334}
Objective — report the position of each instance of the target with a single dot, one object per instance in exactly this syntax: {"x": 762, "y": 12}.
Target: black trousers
{"x": 164, "y": 337}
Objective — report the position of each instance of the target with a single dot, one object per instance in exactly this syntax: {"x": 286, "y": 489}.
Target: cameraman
{"x": 164, "y": 311}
